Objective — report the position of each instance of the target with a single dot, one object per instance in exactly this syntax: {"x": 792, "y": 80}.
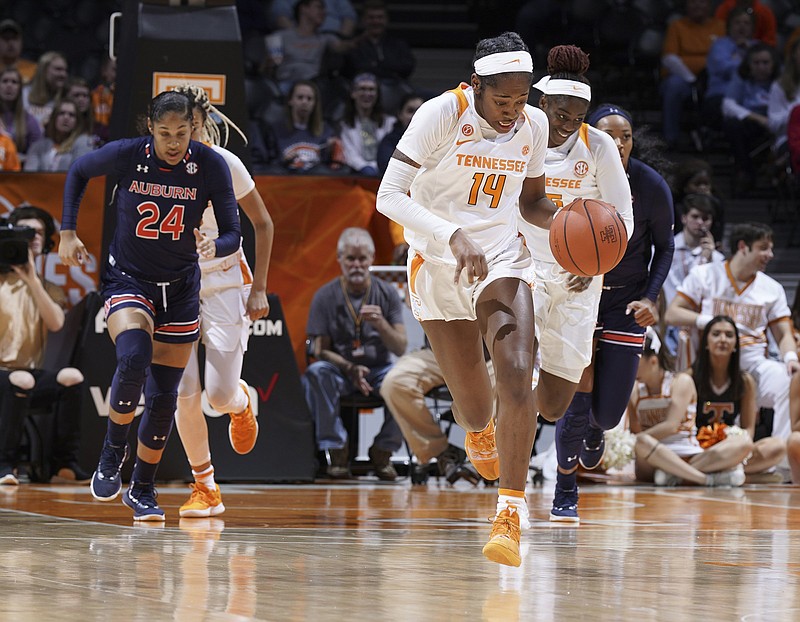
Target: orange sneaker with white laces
{"x": 243, "y": 429}
{"x": 203, "y": 502}
{"x": 481, "y": 450}
{"x": 503, "y": 544}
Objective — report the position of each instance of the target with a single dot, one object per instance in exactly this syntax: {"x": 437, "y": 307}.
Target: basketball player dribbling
{"x": 470, "y": 157}
{"x": 581, "y": 162}
{"x": 151, "y": 284}
{"x": 627, "y": 308}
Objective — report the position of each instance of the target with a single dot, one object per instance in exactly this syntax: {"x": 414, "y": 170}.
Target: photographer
{"x": 32, "y": 307}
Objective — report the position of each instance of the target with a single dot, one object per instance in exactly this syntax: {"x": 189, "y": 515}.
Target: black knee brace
{"x": 161, "y": 399}
{"x": 134, "y": 353}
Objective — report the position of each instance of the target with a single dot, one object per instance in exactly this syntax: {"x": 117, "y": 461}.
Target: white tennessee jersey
{"x": 586, "y": 166}
{"x": 712, "y": 290}
{"x": 242, "y": 185}
{"x": 469, "y": 179}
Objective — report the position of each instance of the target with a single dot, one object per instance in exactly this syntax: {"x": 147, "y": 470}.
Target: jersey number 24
{"x": 151, "y": 226}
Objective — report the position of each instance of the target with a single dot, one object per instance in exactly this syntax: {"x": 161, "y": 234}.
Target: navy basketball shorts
{"x": 173, "y": 305}
{"x": 613, "y": 325}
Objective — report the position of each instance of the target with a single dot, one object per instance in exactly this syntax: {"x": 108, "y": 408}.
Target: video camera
{"x": 14, "y": 244}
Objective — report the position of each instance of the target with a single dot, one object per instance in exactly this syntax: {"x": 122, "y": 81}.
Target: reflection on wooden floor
{"x": 367, "y": 551}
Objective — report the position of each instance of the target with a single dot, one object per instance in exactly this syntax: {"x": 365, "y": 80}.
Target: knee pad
{"x": 161, "y": 400}
{"x": 134, "y": 354}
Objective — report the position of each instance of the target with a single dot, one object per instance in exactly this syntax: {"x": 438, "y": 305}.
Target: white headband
{"x": 504, "y": 62}
{"x": 548, "y": 86}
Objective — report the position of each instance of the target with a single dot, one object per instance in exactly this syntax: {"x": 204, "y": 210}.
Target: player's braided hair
{"x": 506, "y": 42}
{"x": 568, "y": 61}
{"x": 199, "y": 98}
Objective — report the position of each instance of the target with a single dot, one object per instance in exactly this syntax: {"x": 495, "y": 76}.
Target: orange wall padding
{"x": 309, "y": 214}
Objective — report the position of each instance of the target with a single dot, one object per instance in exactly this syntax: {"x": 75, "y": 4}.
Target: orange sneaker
{"x": 481, "y": 449}
{"x": 243, "y": 429}
{"x": 503, "y": 544}
{"x": 203, "y": 502}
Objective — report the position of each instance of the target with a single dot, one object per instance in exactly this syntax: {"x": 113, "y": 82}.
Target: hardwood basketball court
{"x": 371, "y": 551}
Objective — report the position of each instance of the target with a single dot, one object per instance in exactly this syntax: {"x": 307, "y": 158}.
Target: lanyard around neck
{"x": 355, "y": 313}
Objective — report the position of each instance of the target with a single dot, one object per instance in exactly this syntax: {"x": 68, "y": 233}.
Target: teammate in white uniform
{"x": 230, "y": 298}
{"x": 471, "y": 158}
{"x": 581, "y": 162}
{"x": 739, "y": 288}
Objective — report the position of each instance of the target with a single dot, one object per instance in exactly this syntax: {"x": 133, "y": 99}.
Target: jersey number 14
{"x": 491, "y": 185}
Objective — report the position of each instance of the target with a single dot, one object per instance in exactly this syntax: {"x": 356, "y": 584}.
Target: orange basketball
{"x": 588, "y": 237}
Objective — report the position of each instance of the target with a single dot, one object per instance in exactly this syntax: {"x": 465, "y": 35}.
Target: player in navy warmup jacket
{"x": 151, "y": 284}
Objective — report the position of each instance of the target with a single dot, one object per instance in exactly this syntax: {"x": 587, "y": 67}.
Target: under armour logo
{"x": 128, "y": 403}
{"x": 159, "y": 438}
{"x": 141, "y": 167}
{"x": 572, "y": 458}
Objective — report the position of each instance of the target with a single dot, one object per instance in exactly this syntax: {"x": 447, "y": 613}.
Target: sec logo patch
{"x": 581, "y": 168}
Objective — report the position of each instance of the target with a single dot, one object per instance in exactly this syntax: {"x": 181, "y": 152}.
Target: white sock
{"x": 239, "y": 404}
{"x": 519, "y": 504}
{"x": 205, "y": 477}
{"x": 505, "y": 500}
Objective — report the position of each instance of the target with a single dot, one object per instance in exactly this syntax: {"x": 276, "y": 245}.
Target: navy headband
{"x": 604, "y": 110}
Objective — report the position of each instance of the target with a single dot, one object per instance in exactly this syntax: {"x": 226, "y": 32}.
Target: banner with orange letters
{"x": 46, "y": 190}
{"x": 309, "y": 214}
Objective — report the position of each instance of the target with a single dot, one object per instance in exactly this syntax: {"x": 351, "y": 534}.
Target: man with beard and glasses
{"x": 354, "y": 325}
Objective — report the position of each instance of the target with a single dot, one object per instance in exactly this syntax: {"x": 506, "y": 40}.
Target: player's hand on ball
{"x": 577, "y": 283}
{"x": 206, "y": 247}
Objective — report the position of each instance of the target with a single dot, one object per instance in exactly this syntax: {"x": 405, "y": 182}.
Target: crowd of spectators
{"x": 47, "y": 117}
{"x": 710, "y": 99}
{"x": 339, "y": 92}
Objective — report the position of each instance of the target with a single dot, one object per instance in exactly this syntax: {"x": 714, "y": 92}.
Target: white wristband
{"x": 702, "y": 320}
{"x": 791, "y": 355}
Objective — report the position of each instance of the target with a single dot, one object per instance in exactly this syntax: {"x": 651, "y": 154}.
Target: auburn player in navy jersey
{"x": 151, "y": 284}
